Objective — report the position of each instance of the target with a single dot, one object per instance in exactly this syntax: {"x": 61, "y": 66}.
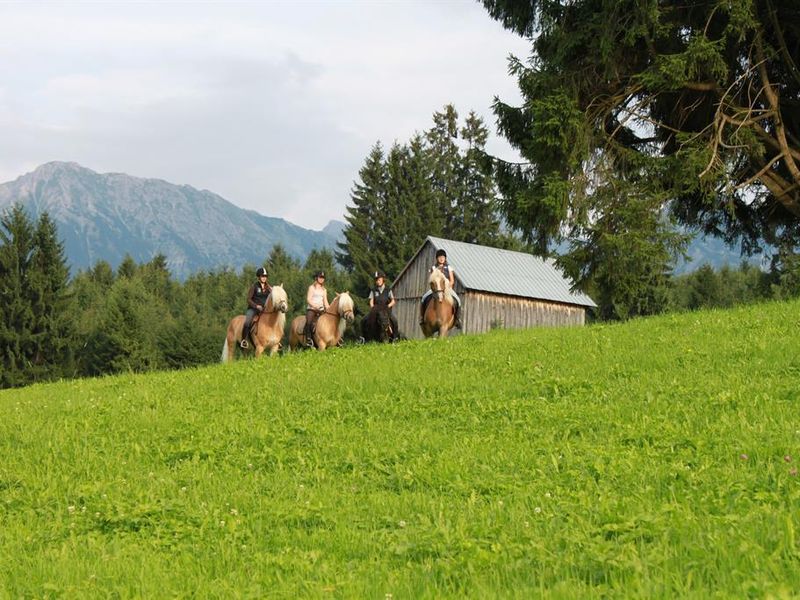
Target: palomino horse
{"x": 330, "y": 324}
{"x": 267, "y": 328}
{"x": 440, "y": 312}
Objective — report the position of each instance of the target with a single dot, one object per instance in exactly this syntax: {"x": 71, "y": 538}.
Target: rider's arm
{"x": 250, "y": 293}
{"x": 325, "y": 303}
{"x": 371, "y": 299}
{"x": 309, "y": 297}
{"x": 452, "y": 278}
{"x": 391, "y": 299}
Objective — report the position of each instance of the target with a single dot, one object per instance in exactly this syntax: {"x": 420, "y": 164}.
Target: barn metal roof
{"x": 497, "y": 271}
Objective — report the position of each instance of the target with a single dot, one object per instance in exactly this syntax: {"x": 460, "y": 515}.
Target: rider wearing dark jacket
{"x": 380, "y": 296}
{"x": 256, "y": 301}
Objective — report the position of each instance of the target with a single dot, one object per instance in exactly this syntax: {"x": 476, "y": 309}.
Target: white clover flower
{"x": 401, "y": 523}
{"x": 537, "y": 510}
{"x": 70, "y": 509}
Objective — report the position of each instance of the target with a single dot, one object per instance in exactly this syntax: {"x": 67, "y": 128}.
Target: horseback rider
{"x": 381, "y": 296}
{"x": 256, "y": 301}
{"x": 316, "y": 304}
{"x": 449, "y": 272}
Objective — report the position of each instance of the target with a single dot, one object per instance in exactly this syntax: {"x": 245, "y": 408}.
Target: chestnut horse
{"x": 329, "y": 327}
{"x": 266, "y": 329}
{"x": 440, "y": 313}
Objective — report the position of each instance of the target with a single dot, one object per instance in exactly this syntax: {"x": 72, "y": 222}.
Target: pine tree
{"x": 17, "y": 321}
{"x": 52, "y": 304}
{"x": 357, "y": 252}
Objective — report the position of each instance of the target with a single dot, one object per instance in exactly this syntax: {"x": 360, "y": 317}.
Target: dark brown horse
{"x": 266, "y": 332}
{"x": 329, "y": 327}
{"x": 377, "y": 325}
{"x": 440, "y": 313}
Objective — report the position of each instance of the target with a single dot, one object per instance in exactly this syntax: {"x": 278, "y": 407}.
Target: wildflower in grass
{"x": 222, "y": 523}
{"x": 70, "y": 509}
{"x": 547, "y": 495}
{"x": 787, "y": 458}
{"x": 537, "y": 510}
{"x": 401, "y": 524}
{"x": 234, "y": 512}
{"x": 743, "y": 456}
{"x": 793, "y": 471}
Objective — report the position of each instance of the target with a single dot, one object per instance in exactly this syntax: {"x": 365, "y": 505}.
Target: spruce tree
{"x": 17, "y": 321}
{"x": 357, "y": 252}
{"x": 52, "y": 304}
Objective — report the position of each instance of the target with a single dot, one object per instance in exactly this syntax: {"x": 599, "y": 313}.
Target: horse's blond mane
{"x": 344, "y": 304}
{"x": 436, "y": 277}
{"x": 278, "y": 294}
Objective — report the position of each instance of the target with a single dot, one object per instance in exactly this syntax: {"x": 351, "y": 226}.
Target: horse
{"x": 377, "y": 325}
{"x": 330, "y": 324}
{"x": 440, "y": 313}
{"x": 266, "y": 328}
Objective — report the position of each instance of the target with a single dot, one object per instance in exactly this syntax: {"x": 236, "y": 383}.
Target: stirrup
{"x": 244, "y": 344}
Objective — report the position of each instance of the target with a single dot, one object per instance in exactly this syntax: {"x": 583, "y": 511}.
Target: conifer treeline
{"x": 439, "y": 183}
{"x": 135, "y": 318}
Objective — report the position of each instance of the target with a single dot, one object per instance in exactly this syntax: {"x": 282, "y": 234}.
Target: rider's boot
{"x": 244, "y": 344}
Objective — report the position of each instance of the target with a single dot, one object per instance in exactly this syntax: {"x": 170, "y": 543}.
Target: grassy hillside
{"x": 656, "y": 458}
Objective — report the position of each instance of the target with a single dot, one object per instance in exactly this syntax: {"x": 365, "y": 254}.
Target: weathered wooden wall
{"x": 481, "y": 311}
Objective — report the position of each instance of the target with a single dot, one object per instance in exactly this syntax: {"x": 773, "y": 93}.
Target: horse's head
{"x": 439, "y": 284}
{"x": 384, "y": 323}
{"x": 279, "y": 299}
{"x": 345, "y": 307}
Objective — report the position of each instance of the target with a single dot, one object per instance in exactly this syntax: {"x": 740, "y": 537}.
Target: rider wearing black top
{"x": 256, "y": 301}
{"x": 381, "y": 296}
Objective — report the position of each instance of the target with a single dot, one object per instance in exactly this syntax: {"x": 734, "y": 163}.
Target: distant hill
{"x": 104, "y": 216}
{"x": 715, "y": 252}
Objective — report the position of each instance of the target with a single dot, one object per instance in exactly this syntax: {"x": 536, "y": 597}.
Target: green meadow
{"x": 657, "y": 458}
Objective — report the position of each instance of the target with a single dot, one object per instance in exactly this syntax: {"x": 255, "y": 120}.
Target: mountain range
{"x": 104, "y": 216}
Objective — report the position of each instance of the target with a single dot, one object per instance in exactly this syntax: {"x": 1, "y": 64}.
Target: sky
{"x": 272, "y": 105}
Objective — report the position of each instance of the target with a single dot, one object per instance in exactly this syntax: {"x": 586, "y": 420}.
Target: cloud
{"x": 274, "y": 106}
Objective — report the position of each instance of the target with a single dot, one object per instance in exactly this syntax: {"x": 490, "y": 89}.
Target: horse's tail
{"x": 224, "y": 357}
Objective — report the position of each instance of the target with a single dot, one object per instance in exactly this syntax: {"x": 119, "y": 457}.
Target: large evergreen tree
{"x": 17, "y": 324}
{"x": 698, "y": 101}
{"x": 37, "y": 325}
{"x": 52, "y": 302}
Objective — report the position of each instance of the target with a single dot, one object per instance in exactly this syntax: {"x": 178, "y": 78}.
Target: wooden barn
{"x": 498, "y": 289}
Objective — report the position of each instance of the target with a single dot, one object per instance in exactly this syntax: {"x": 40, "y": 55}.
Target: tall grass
{"x": 656, "y": 458}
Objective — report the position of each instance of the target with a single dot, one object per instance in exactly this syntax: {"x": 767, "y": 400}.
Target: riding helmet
{"x": 261, "y": 271}
{"x": 441, "y": 252}
{"x": 319, "y": 274}
{"x": 377, "y": 274}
